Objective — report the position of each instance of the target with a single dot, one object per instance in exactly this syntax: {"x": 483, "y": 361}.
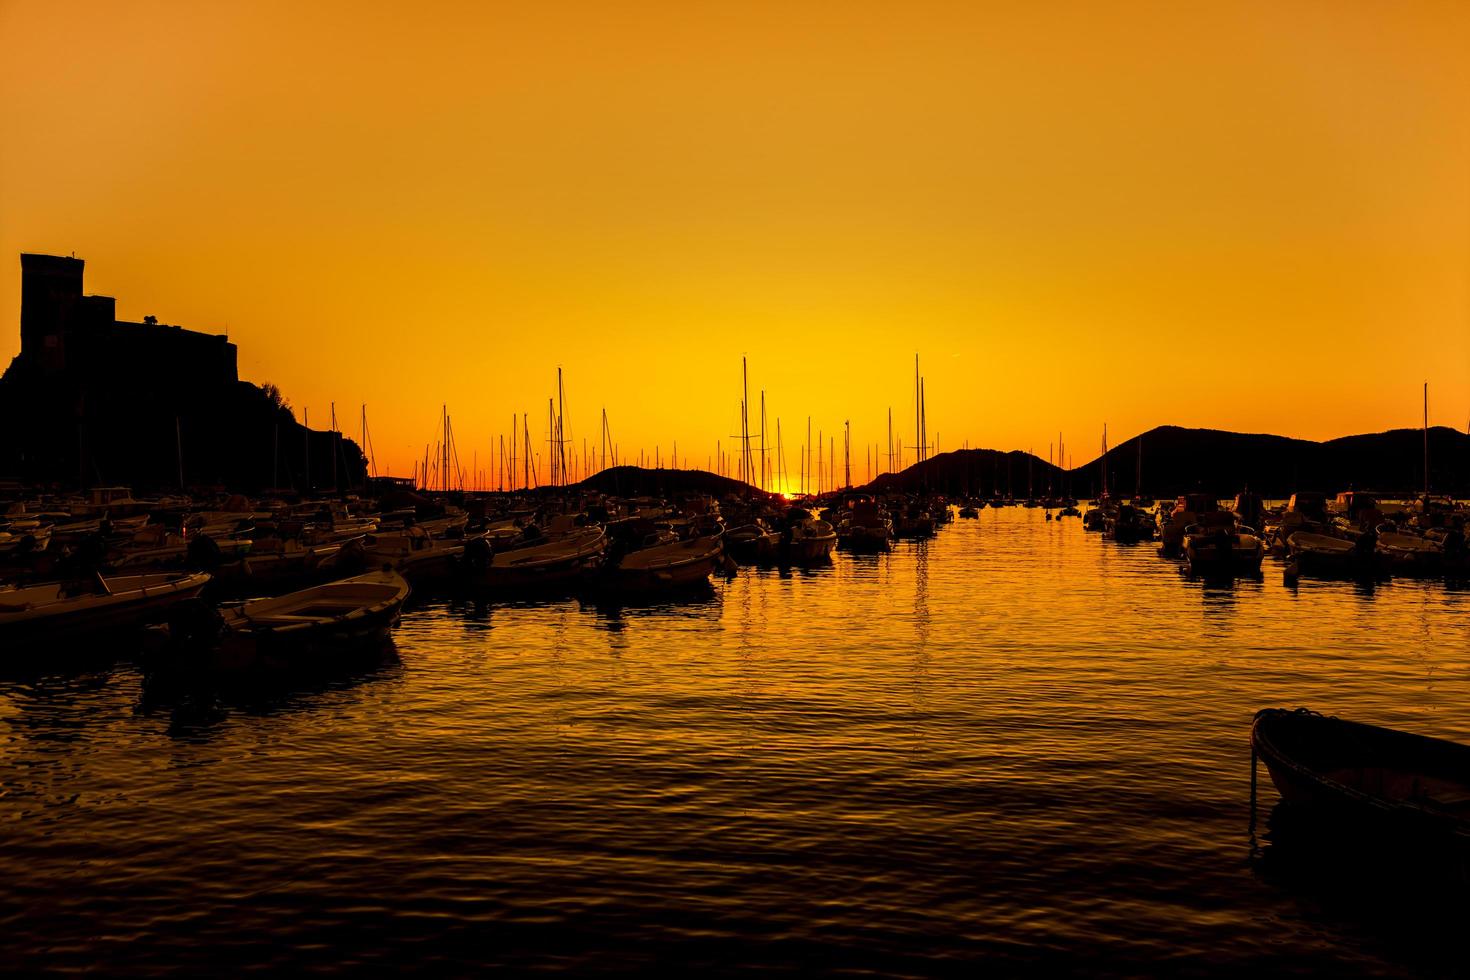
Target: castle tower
{"x": 50, "y": 301}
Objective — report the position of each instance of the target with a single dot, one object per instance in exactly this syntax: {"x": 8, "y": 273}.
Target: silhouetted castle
{"x": 93, "y": 399}
{"x": 66, "y": 334}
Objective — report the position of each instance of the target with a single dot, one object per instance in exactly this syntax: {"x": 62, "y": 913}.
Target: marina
{"x": 892, "y": 761}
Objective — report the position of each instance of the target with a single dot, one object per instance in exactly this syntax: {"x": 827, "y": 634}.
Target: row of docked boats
{"x": 331, "y": 617}
{"x": 292, "y": 570}
{"x": 1352, "y": 536}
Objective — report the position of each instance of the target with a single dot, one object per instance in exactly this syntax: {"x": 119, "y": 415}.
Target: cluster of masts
{"x": 514, "y": 462}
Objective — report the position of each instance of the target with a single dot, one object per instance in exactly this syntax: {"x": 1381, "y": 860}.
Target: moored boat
{"x": 419, "y": 557}
{"x": 865, "y": 528}
{"x": 56, "y": 611}
{"x": 1218, "y": 547}
{"x": 1409, "y": 554}
{"x": 753, "y": 543}
{"x": 1185, "y": 513}
{"x": 666, "y": 567}
{"x": 1323, "y": 556}
{"x": 306, "y": 629}
{"x": 1128, "y": 524}
{"x": 807, "y": 542}
{"x": 552, "y": 564}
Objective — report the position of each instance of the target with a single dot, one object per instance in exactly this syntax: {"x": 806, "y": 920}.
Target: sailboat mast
{"x": 890, "y": 438}
{"x": 846, "y": 453}
{"x": 764, "y": 461}
{"x": 1426, "y": 445}
{"x": 745, "y": 473}
{"x": 923, "y": 431}
{"x": 561, "y": 442}
{"x": 1138, "y": 476}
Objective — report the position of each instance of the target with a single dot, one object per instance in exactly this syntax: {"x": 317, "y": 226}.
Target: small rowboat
{"x": 45, "y": 614}
{"x": 752, "y": 544}
{"x": 307, "y": 628}
{"x": 666, "y": 567}
{"x": 421, "y": 558}
{"x": 1324, "y": 556}
{"x": 557, "y": 563}
{"x": 1399, "y": 787}
{"x": 1409, "y": 554}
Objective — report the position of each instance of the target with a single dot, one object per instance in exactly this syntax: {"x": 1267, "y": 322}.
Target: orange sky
{"x": 1250, "y": 216}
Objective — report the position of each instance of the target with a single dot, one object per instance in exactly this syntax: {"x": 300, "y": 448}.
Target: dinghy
{"x": 1409, "y": 554}
{"x": 114, "y": 604}
{"x": 1323, "y": 556}
{"x": 553, "y": 564}
{"x": 420, "y": 557}
{"x": 309, "y": 628}
{"x": 753, "y": 543}
{"x": 1396, "y": 787}
{"x": 666, "y": 567}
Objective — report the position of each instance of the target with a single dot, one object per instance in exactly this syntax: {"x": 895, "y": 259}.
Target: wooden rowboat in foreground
{"x": 1390, "y": 790}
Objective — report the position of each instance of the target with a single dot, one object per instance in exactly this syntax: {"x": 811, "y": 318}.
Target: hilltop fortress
{"x": 65, "y": 334}
{"x": 92, "y": 399}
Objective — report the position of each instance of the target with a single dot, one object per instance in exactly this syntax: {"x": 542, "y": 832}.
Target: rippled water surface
{"x": 1014, "y": 747}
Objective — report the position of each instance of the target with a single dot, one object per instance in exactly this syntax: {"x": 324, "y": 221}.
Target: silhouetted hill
{"x": 1177, "y": 460}
{"x": 977, "y": 472}
{"x": 635, "y": 481}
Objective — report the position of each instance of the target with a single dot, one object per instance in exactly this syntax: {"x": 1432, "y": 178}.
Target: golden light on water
{"x": 1253, "y": 217}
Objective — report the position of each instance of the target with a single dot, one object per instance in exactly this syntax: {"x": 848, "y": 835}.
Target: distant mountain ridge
{"x": 1177, "y": 460}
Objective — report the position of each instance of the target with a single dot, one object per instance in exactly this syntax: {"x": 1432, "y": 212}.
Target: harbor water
{"x": 1015, "y": 747}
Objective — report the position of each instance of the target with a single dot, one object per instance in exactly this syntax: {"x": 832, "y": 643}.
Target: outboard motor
{"x": 478, "y": 554}
{"x": 203, "y": 554}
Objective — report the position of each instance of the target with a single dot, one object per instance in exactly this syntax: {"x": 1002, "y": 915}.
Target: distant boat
{"x": 753, "y": 543}
{"x": 866, "y": 528}
{"x": 1409, "y": 554}
{"x": 46, "y": 614}
{"x": 807, "y": 542}
{"x": 1323, "y": 556}
{"x": 1216, "y": 547}
{"x": 914, "y": 521}
{"x": 1388, "y": 787}
{"x": 1306, "y": 511}
{"x": 1186, "y": 512}
{"x": 1128, "y": 524}
{"x": 1099, "y": 515}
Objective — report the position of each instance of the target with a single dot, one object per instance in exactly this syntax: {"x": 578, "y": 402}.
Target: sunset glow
{"x": 1256, "y": 218}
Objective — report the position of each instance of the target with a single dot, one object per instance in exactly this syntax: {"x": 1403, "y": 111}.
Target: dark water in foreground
{"x": 1014, "y": 747}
